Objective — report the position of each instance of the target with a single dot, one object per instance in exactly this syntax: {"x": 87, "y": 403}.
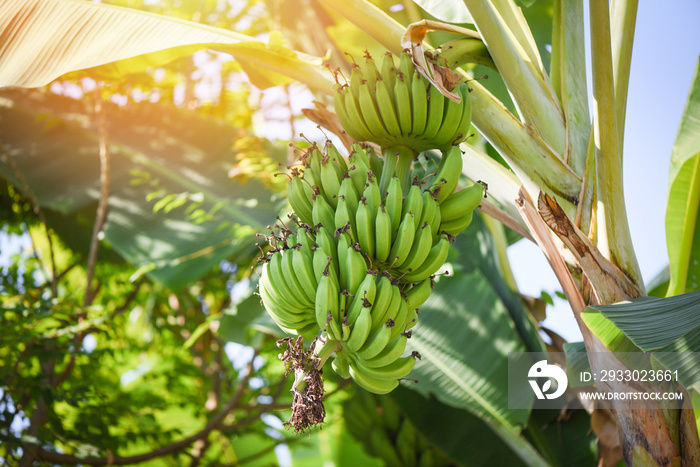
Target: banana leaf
{"x": 53, "y": 146}
{"x": 683, "y": 208}
{"x": 45, "y": 39}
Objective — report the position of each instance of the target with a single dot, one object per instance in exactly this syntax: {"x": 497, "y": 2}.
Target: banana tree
{"x": 560, "y": 183}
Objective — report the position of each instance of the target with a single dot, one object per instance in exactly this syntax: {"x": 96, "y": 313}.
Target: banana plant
{"x": 562, "y": 184}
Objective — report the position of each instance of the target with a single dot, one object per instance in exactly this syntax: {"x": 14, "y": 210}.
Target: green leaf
{"x": 650, "y": 323}
{"x": 44, "y": 39}
{"x": 193, "y": 155}
{"x": 464, "y": 336}
{"x": 682, "y": 226}
{"x": 576, "y": 362}
{"x": 235, "y": 322}
{"x": 449, "y": 11}
{"x": 462, "y": 436}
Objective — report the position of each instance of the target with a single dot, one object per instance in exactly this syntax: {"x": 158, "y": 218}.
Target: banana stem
{"x": 397, "y": 162}
{"x": 326, "y": 350}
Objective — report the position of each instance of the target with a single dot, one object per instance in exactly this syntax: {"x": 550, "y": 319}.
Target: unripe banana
{"x": 323, "y": 213}
{"x": 436, "y": 102}
{"x": 402, "y": 95}
{"x": 414, "y": 203}
{"x": 419, "y": 250}
{"x": 399, "y": 368}
{"x": 461, "y": 203}
{"x": 374, "y": 385}
{"x": 339, "y": 161}
{"x": 404, "y": 241}
{"x": 364, "y": 221}
{"x": 327, "y": 299}
{"x": 370, "y": 113}
{"x": 363, "y": 298}
{"x": 358, "y": 128}
{"x": 450, "y": 123}
{"x": 457, "y": 226}
{"x": 418, "y": 294}
{"x": 394, "y": 205}
{"x": 375, "y": 343}
{"x": 406, "y": 441}
{"x": 406, "y": 68}
{"x": 419, "y": 103}
{"x": 356, "y": 79}
{"x": 360, "y": 330}
{"x": 371, "y": 73}
{"x": 301, "y": 204}
{"x": 356, "y": 271}
{"x": 391, "y": 352}
{"x": 382, "y": 235}
{"x": 359, "y": 160}
{"x": 330, "y": 181}
{"x": 372, "y": 194}
{"x": 448, "y": 174}
{"x": 341, "y": 366}
{"x": 388, "y": 72}
{"x": 436, "y": 258}
{"x": 344, "y": 217}
{"x": 348, "y": 191}
{"x": 306, "y": 296}
{"x": 344, "y": 242}
{"x": 385, "y": 103}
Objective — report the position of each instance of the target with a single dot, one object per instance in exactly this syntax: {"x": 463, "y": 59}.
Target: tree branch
{"x": 214, "y": 423}
{"x": 104, "y": 194}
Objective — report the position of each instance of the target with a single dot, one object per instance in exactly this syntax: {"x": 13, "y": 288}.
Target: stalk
{"x": 614, "y": 239}
{"x": 624, "y": 15}
{"x": 574, "y": 92}
{"x": 397, "y": 162}
{"x": 555, "y": 61}
{"x": 519, "y": 66}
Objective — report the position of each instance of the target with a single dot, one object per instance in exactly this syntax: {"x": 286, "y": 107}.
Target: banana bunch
{"x": 386, "y": 432}
{"x": 405, "y": 235}
{"x": 395, "y": 106}
{"x": 370, "y": 231}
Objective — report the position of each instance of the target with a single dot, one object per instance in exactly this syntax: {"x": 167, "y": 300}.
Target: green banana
{"x": 419, "y": 103}
{"x": 374, "y": 385}
{"x": 363, "y": 298}
{"x": 388, "y": 73}
{"x": 323, "y": 213}
{"x": 418, "y": 294}
{"x": 460, "y": 203}
{"x": 382, "y": 235}
{"x": 436, "y": 102}
{"x": 355, "y": 114}
{"x": 364, "y": 222}
{"x": 448, "y": 174}
{"x": 402, "y": 95}
{"x": 456, "y": 226}
{"x": 394, "y": 204}
{"x": 404, "y": 240}
{"x": 385, "y": 102}
{"x": 356, "y": 270}
{"x": 360, "y": 329}
{"x": 298, "y": 200}
{"x": 394, "y": 349}
{"x": 341, "y": 366}
{"x": 436, "y": 258}
{"x": 327, "y": 295}
{"x": 375, "y": 343}
{"x": 399, "y": 368}
{"x": 370, "y": 113}
{"x": 450, "y": 122}
{"x": 414, "y": 203}
{"x": 330, "y": 181}
{"x": 420, "y": 249}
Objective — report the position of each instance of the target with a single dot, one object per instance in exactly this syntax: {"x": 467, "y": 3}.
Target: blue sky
{"x": 664, "y": 57}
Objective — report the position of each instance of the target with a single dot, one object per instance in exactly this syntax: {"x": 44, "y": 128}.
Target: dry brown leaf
{"x": 442, "y": 78}
{"x": 328, "y": 120}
